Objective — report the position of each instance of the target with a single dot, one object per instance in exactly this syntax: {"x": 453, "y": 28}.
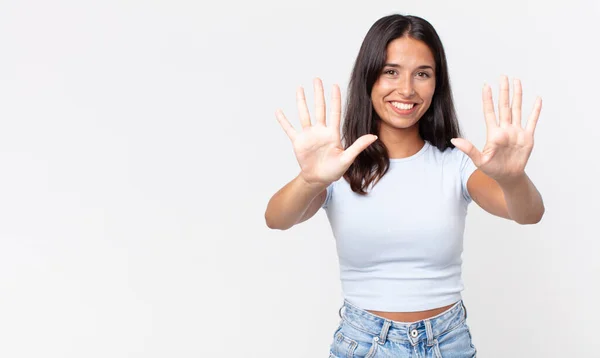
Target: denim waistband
{"x": 413, "y": 332}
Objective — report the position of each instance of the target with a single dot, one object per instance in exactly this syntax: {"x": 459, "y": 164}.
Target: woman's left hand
{"x": 508, "y": 145}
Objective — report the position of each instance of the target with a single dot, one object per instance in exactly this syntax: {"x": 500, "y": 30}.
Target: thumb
{"x": 358, "y": 146}
{"x": 468, "y": 148}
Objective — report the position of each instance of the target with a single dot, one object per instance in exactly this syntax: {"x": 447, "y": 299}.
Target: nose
{"x": 405, "y": 87}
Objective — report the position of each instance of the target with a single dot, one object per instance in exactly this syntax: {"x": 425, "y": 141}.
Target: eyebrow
{"x": 394, "y": 65}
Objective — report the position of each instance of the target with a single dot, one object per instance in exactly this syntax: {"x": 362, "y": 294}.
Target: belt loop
{"x": 464, "y": 308}
{"x": 340, "y": 312}
{"x": 429, "y": 333}
{"x": 384, "y": 331}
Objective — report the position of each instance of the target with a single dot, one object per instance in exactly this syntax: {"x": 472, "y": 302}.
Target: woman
{"x": 396, "y": 193}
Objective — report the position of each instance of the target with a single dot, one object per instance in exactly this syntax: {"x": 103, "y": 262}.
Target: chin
{"x": 399, "y": 123}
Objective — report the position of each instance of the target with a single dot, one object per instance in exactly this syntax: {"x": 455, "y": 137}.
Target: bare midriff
{"x": 411, "y": 316}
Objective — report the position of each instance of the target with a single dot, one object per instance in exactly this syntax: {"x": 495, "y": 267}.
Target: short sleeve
{"x": 467, "y": 167}
{"x": 328, "y": 197}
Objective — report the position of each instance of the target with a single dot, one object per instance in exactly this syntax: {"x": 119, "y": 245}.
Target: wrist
{"x": 509, "y": 182}
{"x": 312, "y": 185}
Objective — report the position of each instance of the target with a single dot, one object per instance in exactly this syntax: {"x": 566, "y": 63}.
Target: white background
{"x": 139, "y": 148}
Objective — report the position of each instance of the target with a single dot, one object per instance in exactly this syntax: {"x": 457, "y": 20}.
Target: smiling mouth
{"x": 403, "y": 108}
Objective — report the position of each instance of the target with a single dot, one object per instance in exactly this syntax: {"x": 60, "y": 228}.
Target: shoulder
{"x": 455, "y": 161}
{"x": 329, "y": 193}
{"x": 447, "y": 156}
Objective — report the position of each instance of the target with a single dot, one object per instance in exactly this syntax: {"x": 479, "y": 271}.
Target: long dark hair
{"x": 438, "y": 125}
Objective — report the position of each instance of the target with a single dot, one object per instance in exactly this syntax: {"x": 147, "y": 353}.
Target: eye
{"x": 423, "y": 74}
{"x": 390, "y": 72}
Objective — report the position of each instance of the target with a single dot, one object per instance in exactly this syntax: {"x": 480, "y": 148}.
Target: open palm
{"x": 509, "y": 144}
{"x": 317, "y": 146}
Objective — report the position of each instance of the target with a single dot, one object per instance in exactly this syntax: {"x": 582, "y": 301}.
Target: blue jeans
{"x": 362, "y": 334}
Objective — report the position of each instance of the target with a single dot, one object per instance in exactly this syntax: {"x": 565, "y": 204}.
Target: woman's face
{"x": 405, "y": 87}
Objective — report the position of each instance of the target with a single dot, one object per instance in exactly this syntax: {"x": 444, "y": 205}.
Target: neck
{"x": 401, "y": 142}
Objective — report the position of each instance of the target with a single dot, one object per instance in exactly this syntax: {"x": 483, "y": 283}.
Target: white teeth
{"x": 403, "y": 105}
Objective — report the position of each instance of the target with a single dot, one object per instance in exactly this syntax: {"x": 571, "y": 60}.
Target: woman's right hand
{"x": 317, "y": 146}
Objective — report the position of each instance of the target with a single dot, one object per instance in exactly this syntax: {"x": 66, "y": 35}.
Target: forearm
{"x": 290, "y": 203}
{"x": 523, "y": 200}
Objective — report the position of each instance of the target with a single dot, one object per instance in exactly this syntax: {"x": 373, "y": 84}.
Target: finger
{"x": 535, "y": 115}
{"x": 469, "y": 149}
{"x": 302, "y": 108}
{"x": 517, "y": 101}
{"x": 336, "y": 108}
{"x": 319, "y": 101}
{"x": 503, "y": 102}
{"x": 285, "y": 124}
{"x": 488, "y": 107}
{"x": 358, "y": 146}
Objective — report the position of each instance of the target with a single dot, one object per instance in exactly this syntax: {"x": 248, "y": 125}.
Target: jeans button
{"x": 414, "y": 333}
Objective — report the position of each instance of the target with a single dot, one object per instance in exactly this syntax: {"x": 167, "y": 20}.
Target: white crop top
{"x": 400, "y": 246}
